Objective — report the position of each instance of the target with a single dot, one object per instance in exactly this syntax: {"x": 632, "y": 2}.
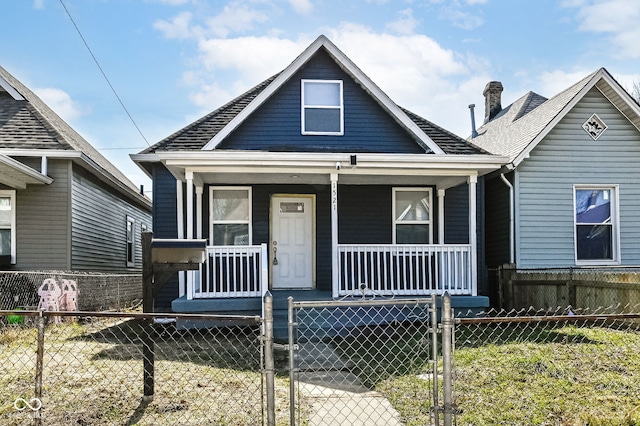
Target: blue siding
{"x": 164, "y": 226}
{"x": 275, "y": 126}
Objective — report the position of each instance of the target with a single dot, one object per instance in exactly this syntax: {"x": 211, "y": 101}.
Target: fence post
{"x": 292, "y": 386}
{"x": 148, "y": 346}
{"x": 37, "y": 420}
{"x": 269, "y": 364}
{"x": 447, "y": 376}
{"x": 434, "y": 339}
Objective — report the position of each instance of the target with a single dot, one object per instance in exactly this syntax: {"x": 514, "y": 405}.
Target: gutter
{"x": 511, "y": 219}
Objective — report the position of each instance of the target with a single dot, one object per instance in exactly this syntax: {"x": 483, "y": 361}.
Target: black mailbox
{"x": 178, "y": 250}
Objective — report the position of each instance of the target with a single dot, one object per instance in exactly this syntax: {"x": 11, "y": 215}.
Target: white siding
{"x": 568, "y": 156}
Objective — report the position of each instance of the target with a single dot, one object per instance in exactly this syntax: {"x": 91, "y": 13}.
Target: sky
{"x": 127, "y": 73}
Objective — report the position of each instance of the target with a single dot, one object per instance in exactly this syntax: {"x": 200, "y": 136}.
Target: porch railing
{"x": 232, "y": 271}
{"x": 404, "y": 269}
{"x": 401, "y": 270}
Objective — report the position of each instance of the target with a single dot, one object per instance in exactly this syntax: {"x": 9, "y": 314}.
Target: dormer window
{"x": 322, "y": 107}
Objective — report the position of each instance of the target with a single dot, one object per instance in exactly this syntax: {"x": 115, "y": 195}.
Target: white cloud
{"x": 60, "y": 101}
{"x": 235, "y": 18}
{"x": 38, "y": 4}
{"x": 550, "y": 83}
{"x": 303, "y": 7}
{"x": 617, "y": 18}
{"x": 178, "y": 28}
{"x": 404, "y": 23}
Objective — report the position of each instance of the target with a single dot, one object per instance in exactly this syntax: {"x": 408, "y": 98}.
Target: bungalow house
{"x": 63, "y": 206}
{"x": 569, "y": 195}
{"x": 314, "y": 183}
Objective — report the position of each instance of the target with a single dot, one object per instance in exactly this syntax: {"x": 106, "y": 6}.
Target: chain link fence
{"x": 548, "y": 367}
{"x": 93, "y": 291}
{"x": 348, "y": 358}
{"x": 88, "y": 369}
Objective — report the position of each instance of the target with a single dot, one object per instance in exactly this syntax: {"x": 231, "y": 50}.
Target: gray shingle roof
{"x": 197, "y": 134}
{"x": 31, "y": 124}
{"x": 511, "y": 131}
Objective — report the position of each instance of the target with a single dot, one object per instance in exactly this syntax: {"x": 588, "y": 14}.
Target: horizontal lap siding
{"x": 497, "y": 222}
{"x": 276, "y": 125}
{"x": 99, "y": 223}
{"x": 569, "y": 156}
{"x": 42, "y": 221}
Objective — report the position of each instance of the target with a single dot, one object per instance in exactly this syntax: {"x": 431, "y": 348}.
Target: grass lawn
{"x": 93, "y": 376}
{"x": 566, "y": 376}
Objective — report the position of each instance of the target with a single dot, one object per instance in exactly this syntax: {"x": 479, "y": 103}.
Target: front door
{"x": 292, "y": 248}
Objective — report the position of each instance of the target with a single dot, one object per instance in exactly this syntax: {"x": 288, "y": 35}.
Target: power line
{"x": 103, "y": 73}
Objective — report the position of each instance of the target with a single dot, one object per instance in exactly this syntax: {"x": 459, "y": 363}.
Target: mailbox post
{"x": 161, "y": 259}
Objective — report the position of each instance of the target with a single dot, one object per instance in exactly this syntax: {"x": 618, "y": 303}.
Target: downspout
{"x": 511, "y": 219}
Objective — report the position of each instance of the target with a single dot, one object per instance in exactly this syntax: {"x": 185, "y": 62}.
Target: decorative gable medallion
{"x": 594, "y": 126}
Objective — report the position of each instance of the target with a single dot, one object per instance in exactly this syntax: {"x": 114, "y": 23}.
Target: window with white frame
{"x": 322, "y": 107}
{"x": 412, "y": 216}
{"x": 131, "y": 242}
{"x": 230, "y": 212}
{"x": 596, "y": 224}
{"x": 8, "y": 224}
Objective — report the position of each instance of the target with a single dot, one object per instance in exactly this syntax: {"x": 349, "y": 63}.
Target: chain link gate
{"x": 345, "y": 357}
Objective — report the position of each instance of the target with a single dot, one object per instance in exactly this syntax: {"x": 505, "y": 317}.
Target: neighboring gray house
{"x": 570, "y": 194}
{"x": 63, "y": 206}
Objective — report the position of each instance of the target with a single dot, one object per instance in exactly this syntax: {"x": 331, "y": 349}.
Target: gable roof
{"x": 27, "y": 124}
{"x": 518, "y": 128}
{"x": 207, "y": 132}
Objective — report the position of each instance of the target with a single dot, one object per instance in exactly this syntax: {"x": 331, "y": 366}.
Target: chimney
{"x": 492, "y": 104}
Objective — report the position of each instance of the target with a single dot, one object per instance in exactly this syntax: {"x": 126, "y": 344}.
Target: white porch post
{"x": 199, "y": 190}
{"x": 473, "y": 180}
{"x": 441, "y": 216}
{"x": 180, "y": 229}
{"x": 335, "y": 269}
{"x": 189, "y": 212}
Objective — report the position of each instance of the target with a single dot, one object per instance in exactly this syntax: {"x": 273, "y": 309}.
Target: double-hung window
{"x": 131, "y": 242}
{"x": 8, "y": 224}
{"x": 412, "y": 217}
{"x": 322, "y": 107}
{"x": 596, "y": 224}
{"x": 230, "y": 216}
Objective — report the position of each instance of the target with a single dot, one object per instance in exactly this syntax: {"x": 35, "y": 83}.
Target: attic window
{"x": 322, "y": 107}
{"x": 594, "y": 126}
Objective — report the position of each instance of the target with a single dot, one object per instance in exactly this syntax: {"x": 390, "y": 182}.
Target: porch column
{"x": 441, "y": 216}
{"x": 180, "y": 229}
{"x": 473, "y": 180}
{"x": 199, "y": 190}
{"x": 335, "y": 268}
{"x": 189, "y": 212}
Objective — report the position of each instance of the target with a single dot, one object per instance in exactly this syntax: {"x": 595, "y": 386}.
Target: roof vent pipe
{"x": 474, "y": 133}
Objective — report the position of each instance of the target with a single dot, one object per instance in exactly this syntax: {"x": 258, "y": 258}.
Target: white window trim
{"x": 12, "y": 195}
{"x": 131, "y": 263}
{"x": 303, "y": 107}
{"x": 218, "y": 222}
{"x": 393, "y": 210}
{"x": 615, "y": 230}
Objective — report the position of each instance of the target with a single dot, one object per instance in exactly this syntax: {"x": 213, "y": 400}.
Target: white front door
{"x": 292, "y": 248}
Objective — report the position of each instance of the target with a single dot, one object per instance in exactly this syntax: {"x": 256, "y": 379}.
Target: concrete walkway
{"x": 336, "y": 396}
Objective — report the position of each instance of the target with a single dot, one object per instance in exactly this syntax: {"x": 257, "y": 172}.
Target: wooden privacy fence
{"x": 585, "y": 288}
